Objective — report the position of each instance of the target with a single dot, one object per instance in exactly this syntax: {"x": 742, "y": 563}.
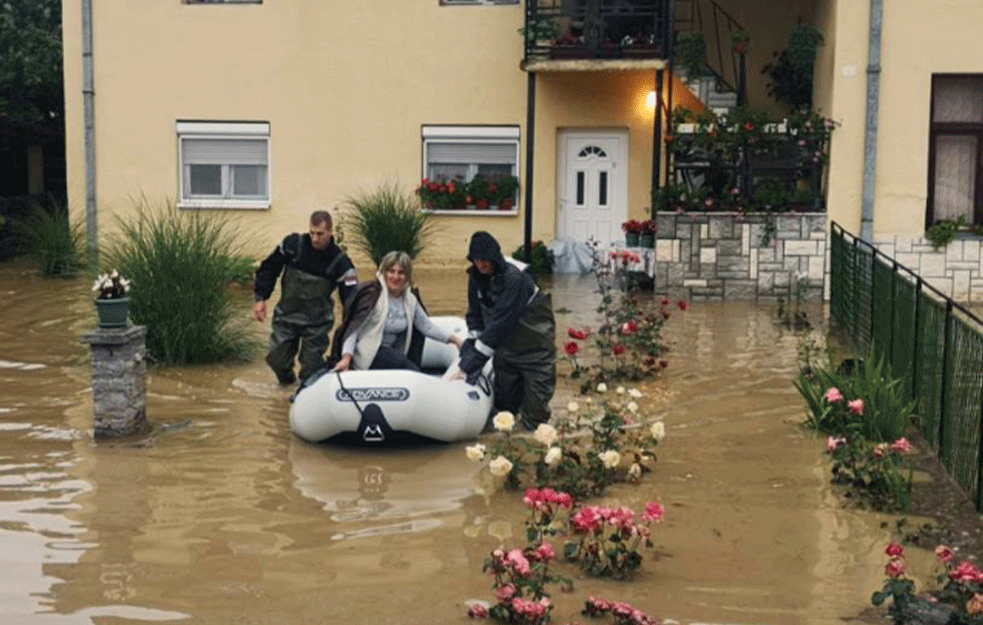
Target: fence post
{"x": 894, "y": 311}
{"x": 916, "y": 342}
{"x": 979, "y": 472}
{"x": 873, "y": 264}
{"x": 945, "y": 373}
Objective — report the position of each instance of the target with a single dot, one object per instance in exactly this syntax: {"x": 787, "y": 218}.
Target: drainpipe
{"x": 88, "y": 102}
{"x": 873, "y": 101}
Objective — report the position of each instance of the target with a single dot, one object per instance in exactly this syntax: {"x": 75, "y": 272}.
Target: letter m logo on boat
{"x": 374, "y": 393}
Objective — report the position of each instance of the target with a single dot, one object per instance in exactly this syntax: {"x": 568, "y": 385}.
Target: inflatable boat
{"x": 387, "y": 407}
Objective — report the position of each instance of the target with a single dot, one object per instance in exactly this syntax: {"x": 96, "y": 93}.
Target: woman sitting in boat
{"x": 385, "y": 322}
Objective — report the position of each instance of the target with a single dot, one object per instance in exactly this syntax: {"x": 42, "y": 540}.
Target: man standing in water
{"x": 511, "y": 319}
{"x": 313, "y": 267}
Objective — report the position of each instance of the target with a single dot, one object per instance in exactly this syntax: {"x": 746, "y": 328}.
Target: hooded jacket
{"x": 496, "y": 302}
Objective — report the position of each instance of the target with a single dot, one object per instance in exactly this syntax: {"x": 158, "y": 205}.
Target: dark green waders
{"x": 525, "y": 370}
{"x": 302, "y": 319}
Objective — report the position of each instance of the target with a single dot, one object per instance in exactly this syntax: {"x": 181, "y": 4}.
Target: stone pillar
{"x": 119, "y": 380}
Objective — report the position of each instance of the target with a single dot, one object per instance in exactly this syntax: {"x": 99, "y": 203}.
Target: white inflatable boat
{"x": 385, "y": 407}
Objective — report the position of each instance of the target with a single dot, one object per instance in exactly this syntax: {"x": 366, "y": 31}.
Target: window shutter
{"x": 491, "y": 153}
{"x": 224, "y": 151}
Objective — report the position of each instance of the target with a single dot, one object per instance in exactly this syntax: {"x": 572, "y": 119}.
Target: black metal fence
{"x": 932, "y": 343}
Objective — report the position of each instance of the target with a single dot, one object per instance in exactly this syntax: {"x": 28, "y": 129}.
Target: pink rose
{"x": 895, "y": 568}
{"x": 833, "y": 443}
{"x": 505, "y": 593}
{"x": 944, "y": 554}
{"x": 518, "y": 562}
{"x": 902, "y": 446}
{"x": 476, "y": 610}
{"x": 895, "y": 550}
{"x": 833, "y": 395}
{"x": 856, "y": 406}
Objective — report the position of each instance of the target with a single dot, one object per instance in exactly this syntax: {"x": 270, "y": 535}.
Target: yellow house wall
{"x": 920, "y": 37}
{"x": 345, "y": 89}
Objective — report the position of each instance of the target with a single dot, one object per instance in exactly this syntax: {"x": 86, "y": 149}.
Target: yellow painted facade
{"x": 347, "y": 87}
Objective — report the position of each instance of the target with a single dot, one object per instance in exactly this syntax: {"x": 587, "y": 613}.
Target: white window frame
{"x": 231, "y": 131}
{"x": 493, "y": 135}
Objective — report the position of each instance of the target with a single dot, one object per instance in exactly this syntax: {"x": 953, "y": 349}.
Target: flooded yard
{"x": 223, "y": 516}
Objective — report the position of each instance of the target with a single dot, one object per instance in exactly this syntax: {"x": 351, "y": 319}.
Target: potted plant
{"x": 740, "y": 41}
{"x": 502, "y": 190}
{"x": 647, "y": 235}
{"x": 691, "y": 54}
{"x": 633, "y": 232}
{"x": 442, "y": 193}
{"x": 112, "y": 299}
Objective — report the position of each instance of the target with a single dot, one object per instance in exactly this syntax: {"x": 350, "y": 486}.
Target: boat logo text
{"x": 375, "y": 393}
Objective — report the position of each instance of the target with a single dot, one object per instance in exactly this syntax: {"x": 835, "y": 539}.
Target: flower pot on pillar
{"x": 647, "y": 240}
{"x": 113, "y": 313}
{"x": 632, "y": 239}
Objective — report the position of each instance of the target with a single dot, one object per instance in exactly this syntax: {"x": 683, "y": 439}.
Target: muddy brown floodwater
{"x": 226, "y": 517}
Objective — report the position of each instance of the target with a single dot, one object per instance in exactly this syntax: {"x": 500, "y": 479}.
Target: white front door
{"x": 593, "y": 185}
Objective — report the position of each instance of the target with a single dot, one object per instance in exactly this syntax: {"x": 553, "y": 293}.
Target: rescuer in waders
{"x": 313, "y": 267}
{"x": 510, "y": 320}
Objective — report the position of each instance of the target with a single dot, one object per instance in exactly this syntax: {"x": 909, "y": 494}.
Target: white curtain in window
{"x": 958, "y": 99}
{"x": 956, "y": 160}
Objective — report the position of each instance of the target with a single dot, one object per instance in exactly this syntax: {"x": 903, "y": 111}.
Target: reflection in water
{"x": 226, "y": 517}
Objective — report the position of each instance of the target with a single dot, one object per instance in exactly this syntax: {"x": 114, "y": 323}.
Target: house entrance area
{"x": 592, "y": 185}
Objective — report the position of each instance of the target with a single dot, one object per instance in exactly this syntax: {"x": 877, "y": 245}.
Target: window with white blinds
{"x": 462, "y": 152}
{"x": 224, "y": 165}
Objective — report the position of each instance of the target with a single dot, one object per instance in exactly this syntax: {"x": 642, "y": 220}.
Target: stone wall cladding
{"x": 717, "y": 256}
{"x": 119, "y": 381}
{"x": 956, "y": 269}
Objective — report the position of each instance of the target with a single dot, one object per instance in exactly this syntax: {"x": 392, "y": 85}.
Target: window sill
{"x": 473, "y": 212}
{"x": 225, "y": 204}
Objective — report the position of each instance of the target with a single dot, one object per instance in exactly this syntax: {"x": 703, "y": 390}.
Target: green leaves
{"x": 31, "y": 60}
{"x": 386, "y": 220}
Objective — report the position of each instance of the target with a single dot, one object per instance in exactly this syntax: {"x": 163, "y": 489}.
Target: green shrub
{"x": 542, "y": 258}
{"x": 387, "y": 220}
{"x": 51, "y": 239}
{"x": 886, "y": 414}
{"x": 180, "y": 265}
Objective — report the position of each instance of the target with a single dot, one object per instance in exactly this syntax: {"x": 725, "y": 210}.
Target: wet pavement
{"x": 223, "y": 516}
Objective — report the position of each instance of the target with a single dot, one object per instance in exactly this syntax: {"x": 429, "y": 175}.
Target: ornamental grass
{"x": 181, "y": 264}
{"x": 386, "y": 220}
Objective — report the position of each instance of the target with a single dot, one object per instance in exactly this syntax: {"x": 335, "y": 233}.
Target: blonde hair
{"x": 397, "y": 258}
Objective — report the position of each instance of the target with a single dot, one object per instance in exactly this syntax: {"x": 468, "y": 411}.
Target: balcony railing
{"x": 597, "y": 29}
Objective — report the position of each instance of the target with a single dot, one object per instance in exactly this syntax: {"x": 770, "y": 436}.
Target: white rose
{"x": 545, "y": 434}
{"x": 635, "y": 471}
{"x": 476, "y": 453}
{"x": 620, "y": 390}
{"x": 552, "y": 456}
{"x": 610, "y": 458}
{"x": 602, "y": 388}
{"x": 634, "y": 392}
{"x": 632, "y": 407}
{"x": 504, "y": 421}
{"x": 658, "y": 430}
{"x": 500, "y": 466}
{"x": 573, "y": 407}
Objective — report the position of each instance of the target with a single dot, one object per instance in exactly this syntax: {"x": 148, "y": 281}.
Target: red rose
{"x": 580, "y": 335}
{"x": 663, "y": 363}
{"x": 572, "y": 348}
{"x": 683, "y": 305}
{"x": 618, "y": 349}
